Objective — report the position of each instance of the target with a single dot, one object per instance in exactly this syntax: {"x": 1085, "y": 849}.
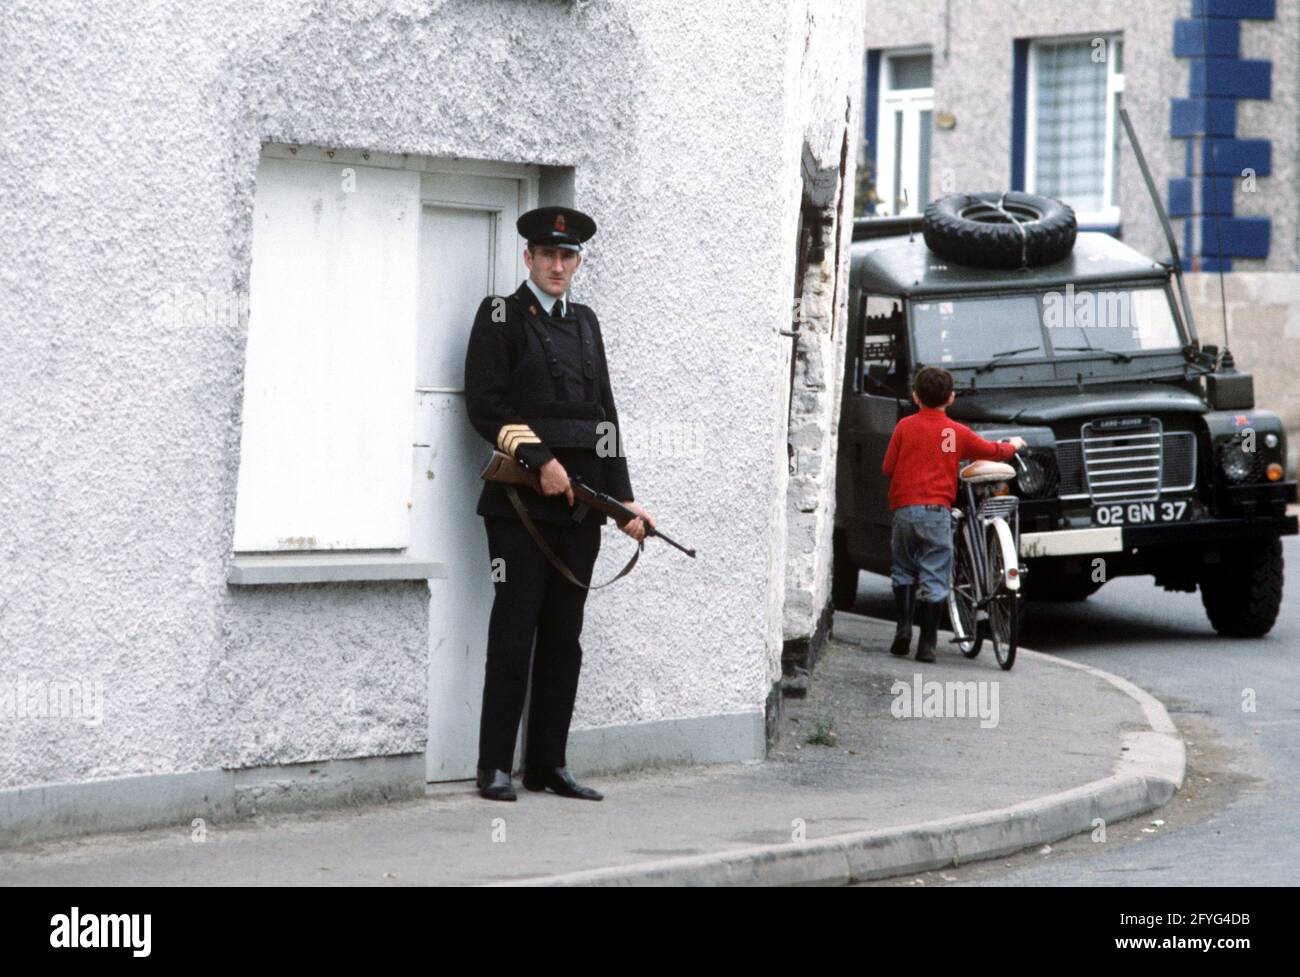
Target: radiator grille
{"x": 1135, "y": 463}
{"x": 1069, "y": 460}
{"x": 1180, "y": 461}
{"x": 1125, "y": 465}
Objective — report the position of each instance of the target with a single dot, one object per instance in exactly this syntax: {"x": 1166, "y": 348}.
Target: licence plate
{"x": 1140, "y": 513}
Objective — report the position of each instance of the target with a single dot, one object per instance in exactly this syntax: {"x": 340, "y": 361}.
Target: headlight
{"x": 1030, "y": 477}
{"x": 1237, "y": 464}
{"x": 1037, "y": 476}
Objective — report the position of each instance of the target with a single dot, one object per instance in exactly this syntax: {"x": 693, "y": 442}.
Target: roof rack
{"x": 866, "y": 228}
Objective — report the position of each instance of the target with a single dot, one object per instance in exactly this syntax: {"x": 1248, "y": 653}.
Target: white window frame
{"x": 912, "y": 102}
{"x": 1110, "y": 213}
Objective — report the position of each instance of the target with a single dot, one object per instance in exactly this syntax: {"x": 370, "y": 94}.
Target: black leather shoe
{"x": 928, "y": 613}
{"x": 904, "y": 601}
{"x": 559, "y": 780}
{"x": 495, "y": 785}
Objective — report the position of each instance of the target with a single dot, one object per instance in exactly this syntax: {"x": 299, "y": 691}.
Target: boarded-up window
{"x": 325, "y": 460}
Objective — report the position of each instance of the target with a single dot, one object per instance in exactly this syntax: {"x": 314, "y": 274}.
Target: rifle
{"x": 504, "y": 469}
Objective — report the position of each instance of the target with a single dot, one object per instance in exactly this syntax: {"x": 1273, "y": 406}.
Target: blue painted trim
{"x": 1248, "y": 9}
{"x": 1219, "y": 39}
{"x": 1217, "y": 194}
{"x": 1180, "y": 197}
{"x": 1194, "y": 116}
{"x": 871, "y": 116}
{"x": 1019, "y": 110}
{"x": 1231, "y": 77}
{"x": 1217, "y": 77}
{"x": 1233, "y": 156}
{"x": 1240, "y": 237}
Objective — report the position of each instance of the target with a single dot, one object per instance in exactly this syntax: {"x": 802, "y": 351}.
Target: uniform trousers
{"x": 532, "y": 598}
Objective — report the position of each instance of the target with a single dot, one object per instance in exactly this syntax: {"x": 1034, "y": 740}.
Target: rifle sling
{"x": 549, "y": 553}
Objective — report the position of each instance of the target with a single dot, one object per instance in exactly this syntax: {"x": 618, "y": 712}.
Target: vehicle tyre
{"x": 1004, "y": 627}
{"x": 972, "y": 229}
{"x": 963, "y": 600}
{"x": 1044, "y": 585}
{"x": 1243, "y": 593}
{"x": 844, "y": 575}
{"x": 1004, "y": 604}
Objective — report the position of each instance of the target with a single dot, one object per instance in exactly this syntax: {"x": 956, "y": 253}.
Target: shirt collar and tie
{"x": 549, "y": 302}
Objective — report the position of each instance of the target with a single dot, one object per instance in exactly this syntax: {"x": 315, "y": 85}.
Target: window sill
{"x": 253, "y": 569}
{"x": 1114, "y": 229}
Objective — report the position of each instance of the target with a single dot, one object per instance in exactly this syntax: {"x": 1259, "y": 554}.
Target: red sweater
{"x": 923, "y": 455}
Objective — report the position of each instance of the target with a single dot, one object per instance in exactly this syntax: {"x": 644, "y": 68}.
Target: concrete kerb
{"x": 1150, "y": 770}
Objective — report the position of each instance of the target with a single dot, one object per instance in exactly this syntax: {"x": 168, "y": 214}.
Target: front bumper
{"x": 1209, "y": 531}
{"x": 1071, "y": 542}
{"x": 1117, "y": 539}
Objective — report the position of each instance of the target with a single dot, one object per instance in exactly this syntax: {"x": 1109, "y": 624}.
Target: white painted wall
{"x": 131, "y": 145}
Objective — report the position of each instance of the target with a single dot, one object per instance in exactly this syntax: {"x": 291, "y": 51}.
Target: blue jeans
{"x": 921, "y": 548}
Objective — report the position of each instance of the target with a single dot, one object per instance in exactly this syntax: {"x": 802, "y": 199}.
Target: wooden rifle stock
{"x": 502, "y": 468}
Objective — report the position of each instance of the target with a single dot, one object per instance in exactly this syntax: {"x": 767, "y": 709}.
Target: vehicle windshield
{"x": 1064, "y": 324}
{"x": 971, "y": 330}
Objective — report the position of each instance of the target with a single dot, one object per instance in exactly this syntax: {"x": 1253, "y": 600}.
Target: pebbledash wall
{"x": 131, "y": 142}
{"x": 1231, "y": 63}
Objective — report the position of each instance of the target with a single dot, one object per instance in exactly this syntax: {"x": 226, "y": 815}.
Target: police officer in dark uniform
{"x": 537, "y": 388}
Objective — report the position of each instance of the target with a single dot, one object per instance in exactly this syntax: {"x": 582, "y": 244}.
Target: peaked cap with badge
{"x": 563, "y": 227}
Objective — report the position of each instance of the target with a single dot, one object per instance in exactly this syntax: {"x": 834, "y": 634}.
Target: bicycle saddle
{"x": 987, "y": 471}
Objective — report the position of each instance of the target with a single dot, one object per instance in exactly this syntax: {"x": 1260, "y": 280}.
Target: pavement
{"x": 857, "y": 789}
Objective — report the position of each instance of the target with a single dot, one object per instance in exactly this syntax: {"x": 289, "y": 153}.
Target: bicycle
{"x": 984, "y": 593}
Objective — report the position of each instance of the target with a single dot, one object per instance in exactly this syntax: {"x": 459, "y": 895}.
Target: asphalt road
{"x": 1237, "y": 820}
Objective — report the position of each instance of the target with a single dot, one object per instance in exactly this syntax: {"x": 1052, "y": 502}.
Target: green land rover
{"x": 1147, "y": 455}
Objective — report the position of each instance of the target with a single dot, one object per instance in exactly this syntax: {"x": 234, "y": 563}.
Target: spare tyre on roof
{"x": 1000, "y": 229}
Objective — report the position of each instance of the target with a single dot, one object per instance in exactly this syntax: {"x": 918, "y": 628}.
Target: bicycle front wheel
{"x": 964, "y": 598}
{"x": 1004, "y": 602}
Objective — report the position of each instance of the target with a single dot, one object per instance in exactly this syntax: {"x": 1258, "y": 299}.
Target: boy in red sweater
{"x": 921, "y": 463}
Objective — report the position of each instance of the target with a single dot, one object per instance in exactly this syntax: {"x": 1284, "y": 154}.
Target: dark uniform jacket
{"x": 536, "y": 388}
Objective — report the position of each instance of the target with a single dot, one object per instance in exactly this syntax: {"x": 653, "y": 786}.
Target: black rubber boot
{"x": 928, "y": 614}
{"x": 904, "y": 601}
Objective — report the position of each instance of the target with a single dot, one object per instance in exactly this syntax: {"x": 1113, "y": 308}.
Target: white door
{"x": 467, "y": 250}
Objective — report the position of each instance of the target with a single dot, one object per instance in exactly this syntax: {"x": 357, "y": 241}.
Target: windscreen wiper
{"x": 993, "y": 364}
{"x": 1115, "y": 355}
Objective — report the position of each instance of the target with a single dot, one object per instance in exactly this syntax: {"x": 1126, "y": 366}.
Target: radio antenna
{"x": 1212, "y": 178}
{"x": 1174, "y": 256}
